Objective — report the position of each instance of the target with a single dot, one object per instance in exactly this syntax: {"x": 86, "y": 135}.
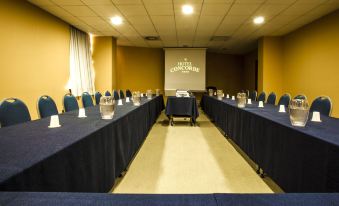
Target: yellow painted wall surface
{"x": 272, "y": 73}
{"x": 104, "y": 61}
{"x": 140, "y": 69}
{"x": 224, "y": 71}
{"x": 311, "y": 60}
{"x": 34, "y": 50}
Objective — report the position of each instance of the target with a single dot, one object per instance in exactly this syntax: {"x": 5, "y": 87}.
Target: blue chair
{"x": 70, "y": 103}
{"x": 122, "y": 95}
{"x": 107, "y": 94}
{"x": 262, "y": 97}
{"x": 97, "y": 98}
{"x": 116, "y": 95}
{"x": 323, "y": 105}
{"x": 87, "y": 100}
{"x": 128, "y": 93}
{"x": 46, "y": 107}
{"x": 13, "y": 111}
{"x": 300, "y": 96}
{"x": 271, "y": 98}
{"x": 285, "y": 100}
{"x": 253, "y": 95}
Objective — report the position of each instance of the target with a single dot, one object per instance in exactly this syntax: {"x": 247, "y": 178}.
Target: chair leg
{"x": 258, "y": 170}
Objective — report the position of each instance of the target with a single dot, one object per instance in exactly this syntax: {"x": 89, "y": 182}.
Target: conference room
{"x": 169, "y": 102}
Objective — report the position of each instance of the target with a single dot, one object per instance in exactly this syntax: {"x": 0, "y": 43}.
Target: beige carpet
{"x": 185, "y": 159}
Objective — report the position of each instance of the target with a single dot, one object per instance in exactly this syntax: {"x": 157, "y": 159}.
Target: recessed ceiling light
{"x": 117, "y": 20}
{"x": 259, "y": 20}
{"x": 187, "y": 9}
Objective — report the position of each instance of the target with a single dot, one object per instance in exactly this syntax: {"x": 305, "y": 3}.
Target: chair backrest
{"x": 128, "y": 93}
{"x": 323, "y": 105}
{"x": 271, "y": 98}
{"x": 13, "y": 111}
{"x": 116, "y": 95}
{"x": 262, "y": 96}
{"x": 300, "y": 96}
{"x": 97, "y": 98}
{"x": 122, "y": 95}
{"x": 211, "y": 87}
{"x": 107, "y": 94}
{"x": 70, "y": 103}
{"x": 46, "y": 106}
{"x": 253, "y": 95}
{"x": 87, "y": 100}
{"x": 285, "y": 100}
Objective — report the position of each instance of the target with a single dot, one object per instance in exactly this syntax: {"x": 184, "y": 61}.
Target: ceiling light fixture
{"x": 187, "y": 9}
{"x": 259, "y": 20}
{"x": 117, "y": 20}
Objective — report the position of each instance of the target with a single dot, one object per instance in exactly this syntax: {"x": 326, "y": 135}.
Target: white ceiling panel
{"x": 132, "y": 10}
{"x": 160, "y": 9}
{"x": 164, "y": 18}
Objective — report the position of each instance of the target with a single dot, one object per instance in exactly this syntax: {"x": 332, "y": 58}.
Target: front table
{"x": 182, "y": 107}
{"x": 83, "y": 155}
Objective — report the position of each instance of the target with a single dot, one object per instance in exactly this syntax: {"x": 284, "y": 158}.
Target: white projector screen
{"x": 185, "y": 68}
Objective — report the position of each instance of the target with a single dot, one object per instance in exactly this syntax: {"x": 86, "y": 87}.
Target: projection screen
{"x": 185, "y": 68}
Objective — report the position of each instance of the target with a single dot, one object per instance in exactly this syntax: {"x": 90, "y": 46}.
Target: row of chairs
{"x": 14, "y": 111}
{"x": 322, "y": 104}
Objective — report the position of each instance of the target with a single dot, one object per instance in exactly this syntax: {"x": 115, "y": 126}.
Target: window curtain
{"x": 81, "y": 70}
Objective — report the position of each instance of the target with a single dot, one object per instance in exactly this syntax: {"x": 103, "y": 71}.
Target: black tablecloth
{"x": 182, "y": 106}
{"x": 298, "y": 159}
{"x": 83, "y": 155}
{"x": 70, "y": 199}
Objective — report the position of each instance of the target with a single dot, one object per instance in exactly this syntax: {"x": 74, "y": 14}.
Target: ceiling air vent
{"x": 220, "y": 38}
{"x": 152, "y": 38}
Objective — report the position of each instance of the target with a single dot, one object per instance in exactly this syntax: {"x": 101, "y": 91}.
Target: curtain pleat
{"x": 81, "y": 71}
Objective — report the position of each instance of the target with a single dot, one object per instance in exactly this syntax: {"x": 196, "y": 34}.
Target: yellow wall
{"x": 311, "y": 60}
{"x": 104, "y": 62}
{"x": 271, "y": 66}
{"x": 306, "y": 60}
{"x": 34, "y": 54}
{"x": 140, "y": 69}
{"x": 224, "y": 71}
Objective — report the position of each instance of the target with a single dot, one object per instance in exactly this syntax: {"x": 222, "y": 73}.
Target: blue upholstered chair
{"x": 300, "y": 96}
{"x": 107, "y": 94}
{"x": 13, "y": 111}
{"x": 271, "y": 98}
{"x": 97, "y": 98}
{"x": 46, "y": 107}
{"x": 122, "y": 95}
{"x": 253, "y": 95}
{"x": 116, "y": 95}
{"x": 87, "y": 100}
{"x": 70, "y": 103}
{"x": 323, "y": 105}
{"x": 262, "y": 97}
{"x": 128, "y": 93}
{"x": 285, "y": 100}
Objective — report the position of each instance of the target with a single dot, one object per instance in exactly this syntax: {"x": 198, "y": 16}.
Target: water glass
{"x": 299, "y": 111}
{"x": 107, "y": 107}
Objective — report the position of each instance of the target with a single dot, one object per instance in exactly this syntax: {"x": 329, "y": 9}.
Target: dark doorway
{"x": 256, "y": 75}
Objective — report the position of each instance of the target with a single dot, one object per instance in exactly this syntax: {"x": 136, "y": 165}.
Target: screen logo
{"x": 185, "y": 67}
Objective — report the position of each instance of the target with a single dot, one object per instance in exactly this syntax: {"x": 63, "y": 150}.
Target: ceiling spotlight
{"x": 117, "y": 20}
{"x": 259, "y": 20}
{"x": 187, "y": 9}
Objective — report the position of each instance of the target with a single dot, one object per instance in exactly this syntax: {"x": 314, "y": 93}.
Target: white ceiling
{"x": 210, "y": 18}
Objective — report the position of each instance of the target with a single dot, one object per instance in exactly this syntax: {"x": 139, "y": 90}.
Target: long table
{"x": 298, "y": 159}
{"x": 70, "y": 199}
{"x": 83, "y": 155}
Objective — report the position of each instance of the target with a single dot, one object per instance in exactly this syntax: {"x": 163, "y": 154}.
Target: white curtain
{"x": 81, "y": 71}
